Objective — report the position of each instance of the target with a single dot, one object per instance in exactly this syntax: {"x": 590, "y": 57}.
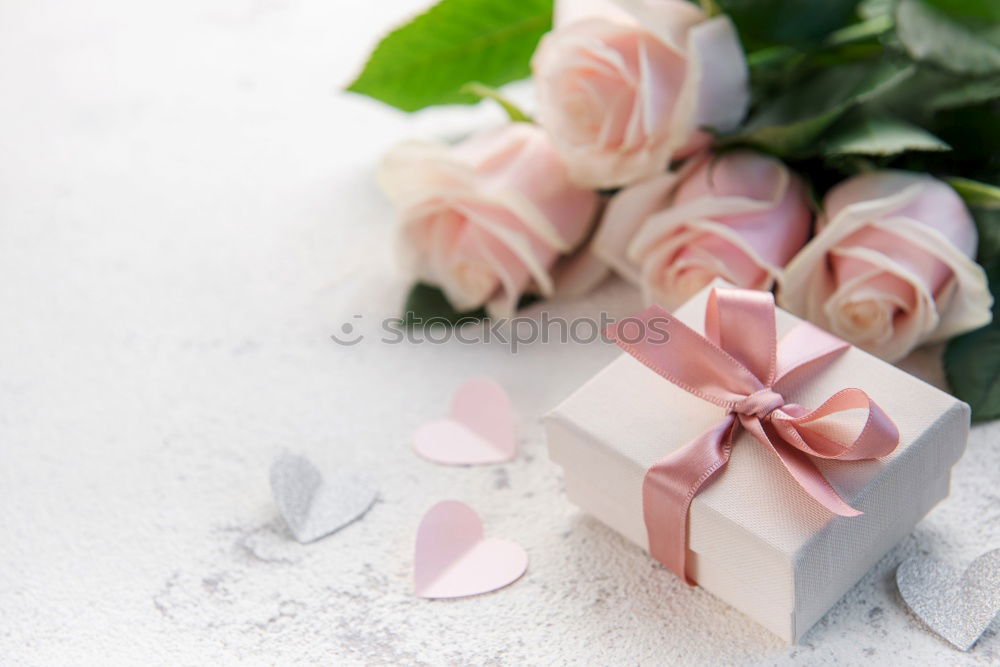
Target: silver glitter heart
{"x": 313, "y": 506}
{"x": 957, "y": 608}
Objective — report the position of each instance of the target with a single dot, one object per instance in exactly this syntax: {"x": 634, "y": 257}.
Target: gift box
{"x": 755, "y": 537}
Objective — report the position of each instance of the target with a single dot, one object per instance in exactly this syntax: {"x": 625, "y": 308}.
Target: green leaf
{"x": 972, "y": 364}
{"x": 964, "y": 93}
{"x": 988, "y": 226}
{"x": 792, "y": 123}
{"x": 957, "y": 43}
{"x": 426, "y": 304}
{"x": 975, "y": 193}
{"x": 710, "y": 7}
{"x": 856, "y": 32}
{"x": 770, "y": 55}
{"x": 876, "y": 134}
{"x": 983, "y": 200}
{"x": 924, "y": 98}
{"x": 978, "y": 9}
{"x": 840, "y": 46}
{"x": 790, "y": 138}
{"x": 763, "y": 23}
{"x": 428, "y": 60}
{"x": 972, "y": 361}
{"x": 514, "y": 112}
{"x": 869, "y": 9}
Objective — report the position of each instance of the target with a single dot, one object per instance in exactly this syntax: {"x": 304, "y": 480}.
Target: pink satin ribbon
{"x": 739, "y": 365}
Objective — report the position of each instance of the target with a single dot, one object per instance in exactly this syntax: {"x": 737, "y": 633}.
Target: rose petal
{"x": 716, "y": 92}
{"x": 568, "y": 11}
{"x": 809, "y": 283}
{"x": 608, "y": 91}
{"x": 871, "y": 277}
{"x": 669, "y": 20}
{"x": 488, "y": 215}
{"x": 907, "y": 194}
{"x": 625, "y": 214}
{"x": 754, "y": 194}
{"x": 712, "y": 250}
{"x": 579, "y": 274}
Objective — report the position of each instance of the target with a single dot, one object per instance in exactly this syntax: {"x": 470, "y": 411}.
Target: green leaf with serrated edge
{"x": 959, "y": 44}
{"x": 428, "y": 60}
{"x": 874, "y": 134}
{"x": 791, "y": 138}
{"x": 972, "y": 362}
{"x": 482, "y": 91}
{"x": 792, "y": 123}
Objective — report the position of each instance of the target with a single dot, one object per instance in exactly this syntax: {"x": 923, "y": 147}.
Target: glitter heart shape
{"x": 314, "y": 506}
{"x": 453, "y": 558}
{"x": 959, "y": 608}
{"x": 479, "y": 429}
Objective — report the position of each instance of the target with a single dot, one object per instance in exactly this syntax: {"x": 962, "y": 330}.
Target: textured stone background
{"x": 187, "y": 211}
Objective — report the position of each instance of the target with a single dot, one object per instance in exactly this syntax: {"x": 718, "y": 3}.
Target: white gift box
{"x": 756, "y": 539}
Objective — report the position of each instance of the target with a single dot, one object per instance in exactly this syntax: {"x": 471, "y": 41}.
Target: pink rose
{"x": 740, "y": 216}
{"x": 486, "y": 219}
{"x": 891, "y": 266}
{"x": 624, "y": 93}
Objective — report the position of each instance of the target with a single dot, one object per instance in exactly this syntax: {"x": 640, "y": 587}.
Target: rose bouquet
{"x": 843, "y": 153}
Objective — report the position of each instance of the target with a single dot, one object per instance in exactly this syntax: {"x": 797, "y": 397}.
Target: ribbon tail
{"x": 802, "y": 469}
{"x": 671, "y": 484}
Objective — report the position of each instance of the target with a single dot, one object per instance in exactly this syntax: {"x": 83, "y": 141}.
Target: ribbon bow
{"x": 739, "y": 365}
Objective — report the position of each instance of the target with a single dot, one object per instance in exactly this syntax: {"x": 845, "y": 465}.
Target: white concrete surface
{"x": 187, "y": 211}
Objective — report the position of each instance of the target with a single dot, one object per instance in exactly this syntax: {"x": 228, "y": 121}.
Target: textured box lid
{"x": 753, "y": 518}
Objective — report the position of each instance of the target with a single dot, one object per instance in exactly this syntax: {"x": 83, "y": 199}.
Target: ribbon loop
{"x": 741, "y": 322}
{"x": 736, "y": 365}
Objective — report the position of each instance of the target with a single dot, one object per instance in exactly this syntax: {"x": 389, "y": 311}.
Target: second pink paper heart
{"x": 479, "y": 428}
{"x": 454, "y": 559}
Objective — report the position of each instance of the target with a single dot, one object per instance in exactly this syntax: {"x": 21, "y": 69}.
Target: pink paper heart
{"x": 453, "y": 559}
{"x": 478, "y": 430}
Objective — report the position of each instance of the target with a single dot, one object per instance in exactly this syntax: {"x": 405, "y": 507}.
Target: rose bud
{"x": 739, "y": 216}
{"x": 623, "y": 90}
{"x": 486, "y": 219}
{"x": 891, "y": 266}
